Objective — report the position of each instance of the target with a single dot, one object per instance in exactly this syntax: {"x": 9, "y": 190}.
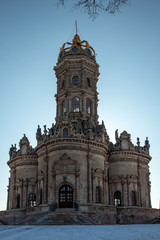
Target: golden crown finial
{"x": 77, "y": 42}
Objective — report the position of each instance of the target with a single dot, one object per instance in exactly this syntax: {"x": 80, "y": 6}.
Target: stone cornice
{"x": 66, "y": 141}
{"x": 131, "y": 153}
{"x": 78, "y": 90}
{"x": 61, "y": 172}
{"x": 23, "y": 160}
{"x": 128, "y": 160}
{"x": 81, "y": 62}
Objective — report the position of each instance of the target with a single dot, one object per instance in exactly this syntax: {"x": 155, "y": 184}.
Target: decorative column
{"x": 14, "y": 188}
{"x": 46, "y": 178}
{"x": 26, "y": 192}
{"x": 8, "y": 195}
{"x": 139, "y": 185}
{"x": 105, "y": 182}
{"x": 149, "y": 196}
{"x": 88, "y": 176}
{"x": 77, "y": 173}
{"x": 128, "y": 191}
{"x": 92, "y": 179}
{"x": 123, "y": 183}
{"x": 21, "y": 187}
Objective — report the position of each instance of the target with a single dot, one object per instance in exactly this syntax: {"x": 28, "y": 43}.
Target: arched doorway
{"x": 66, "y": 197}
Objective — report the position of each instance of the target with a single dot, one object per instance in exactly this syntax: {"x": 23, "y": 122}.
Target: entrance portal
{"x": 66, "y": 197}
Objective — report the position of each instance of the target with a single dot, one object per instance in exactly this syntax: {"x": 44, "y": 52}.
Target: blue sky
{"x": 128, "y": 52}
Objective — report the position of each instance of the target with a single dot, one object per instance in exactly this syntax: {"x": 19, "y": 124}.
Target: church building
{"x": 74, "y": 164}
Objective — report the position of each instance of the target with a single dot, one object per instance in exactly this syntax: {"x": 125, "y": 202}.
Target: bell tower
{"x": 77, "y": 98}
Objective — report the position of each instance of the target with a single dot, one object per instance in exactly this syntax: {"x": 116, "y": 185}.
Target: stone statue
{"x": 12, "y": 151}
{"x": 45, "y": 130}
{"x": 116, "y": 135}
{"x": 38, "y": 134}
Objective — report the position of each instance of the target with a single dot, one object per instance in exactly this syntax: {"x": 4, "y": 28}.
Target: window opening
{"x": 75, "y": 104}
{"x": 65, "y": 132}
{"x": 18, "y": 201}
{"x": 88, "y": 82}
{"x": 32, "y": 199}
{"x": 133, "y": 198}
{"x": 75, "y": 80}
{"x": 88, "y": 106}
{"x": 117, "y": 198}
{"x": 98, "y": 195}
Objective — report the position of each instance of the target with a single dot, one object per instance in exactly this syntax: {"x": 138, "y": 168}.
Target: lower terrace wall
{"x": 98, "y": 215}
{"x": 132, "y": 215}
{"x": 22, "y": 216}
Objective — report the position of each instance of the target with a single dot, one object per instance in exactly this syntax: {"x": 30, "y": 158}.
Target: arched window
{"x": 63, "y": 107}
{"x": 88, "y": 106}
{"x": 32, "y": 199}
{"x": 88, "y": 82}
{"x": 75, "y": 80}
{"x": 133, "y": 198}
{"x": 117, "y": 198}
{"x": 98, "y": 195}
{"x": 40, "y": 197}
{"x": 65, "y": 132}
{"x": 75, "y": 104}
{"x": 18, "y": 201}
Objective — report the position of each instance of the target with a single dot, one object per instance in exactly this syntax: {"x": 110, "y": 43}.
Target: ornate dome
{"x": 77, "y": 47}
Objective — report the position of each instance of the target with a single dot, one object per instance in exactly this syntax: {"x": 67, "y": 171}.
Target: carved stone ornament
{"x": 97, "y": 173}
{"x": 65, "y": 165}
{"x": 65, "y": 157}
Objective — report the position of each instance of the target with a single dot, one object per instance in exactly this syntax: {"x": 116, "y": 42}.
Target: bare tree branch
{"x": 115, "y": 5}
{"x": 93, "y": 7}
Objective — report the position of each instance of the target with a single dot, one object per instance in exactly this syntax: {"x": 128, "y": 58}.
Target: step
{"x": 65, "y": 210}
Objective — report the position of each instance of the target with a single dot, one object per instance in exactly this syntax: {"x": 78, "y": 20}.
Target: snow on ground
{"x": 92, "y": 232}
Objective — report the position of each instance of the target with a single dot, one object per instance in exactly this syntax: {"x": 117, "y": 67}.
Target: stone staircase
{"x": 63, "y": 217}
{"x": 67, "y": 216}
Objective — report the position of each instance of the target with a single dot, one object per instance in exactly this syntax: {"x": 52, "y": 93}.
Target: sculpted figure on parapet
{"x": 124, "y": 143}
{"x": 116, "y": 135}
{"x": 38, "y": 134}
{"x": 13, "y": 151}
{"x": 147, "y": 145}
{"x": 83, "y": 129}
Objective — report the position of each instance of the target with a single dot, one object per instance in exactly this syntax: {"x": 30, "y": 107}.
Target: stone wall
{"x": 87, "y": 214}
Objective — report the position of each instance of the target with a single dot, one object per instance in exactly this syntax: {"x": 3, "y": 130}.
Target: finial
{"x": 146, "y": 141}
{"x": 76, "y": 27}
{"x": 78, "y": 43}
{"x": 116, "y": 134}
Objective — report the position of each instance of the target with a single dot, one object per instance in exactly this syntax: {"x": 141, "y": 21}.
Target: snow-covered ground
{"x": 92, "y": 232}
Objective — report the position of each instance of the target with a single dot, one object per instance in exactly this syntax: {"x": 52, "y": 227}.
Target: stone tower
{"x": 74, "y": 163}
